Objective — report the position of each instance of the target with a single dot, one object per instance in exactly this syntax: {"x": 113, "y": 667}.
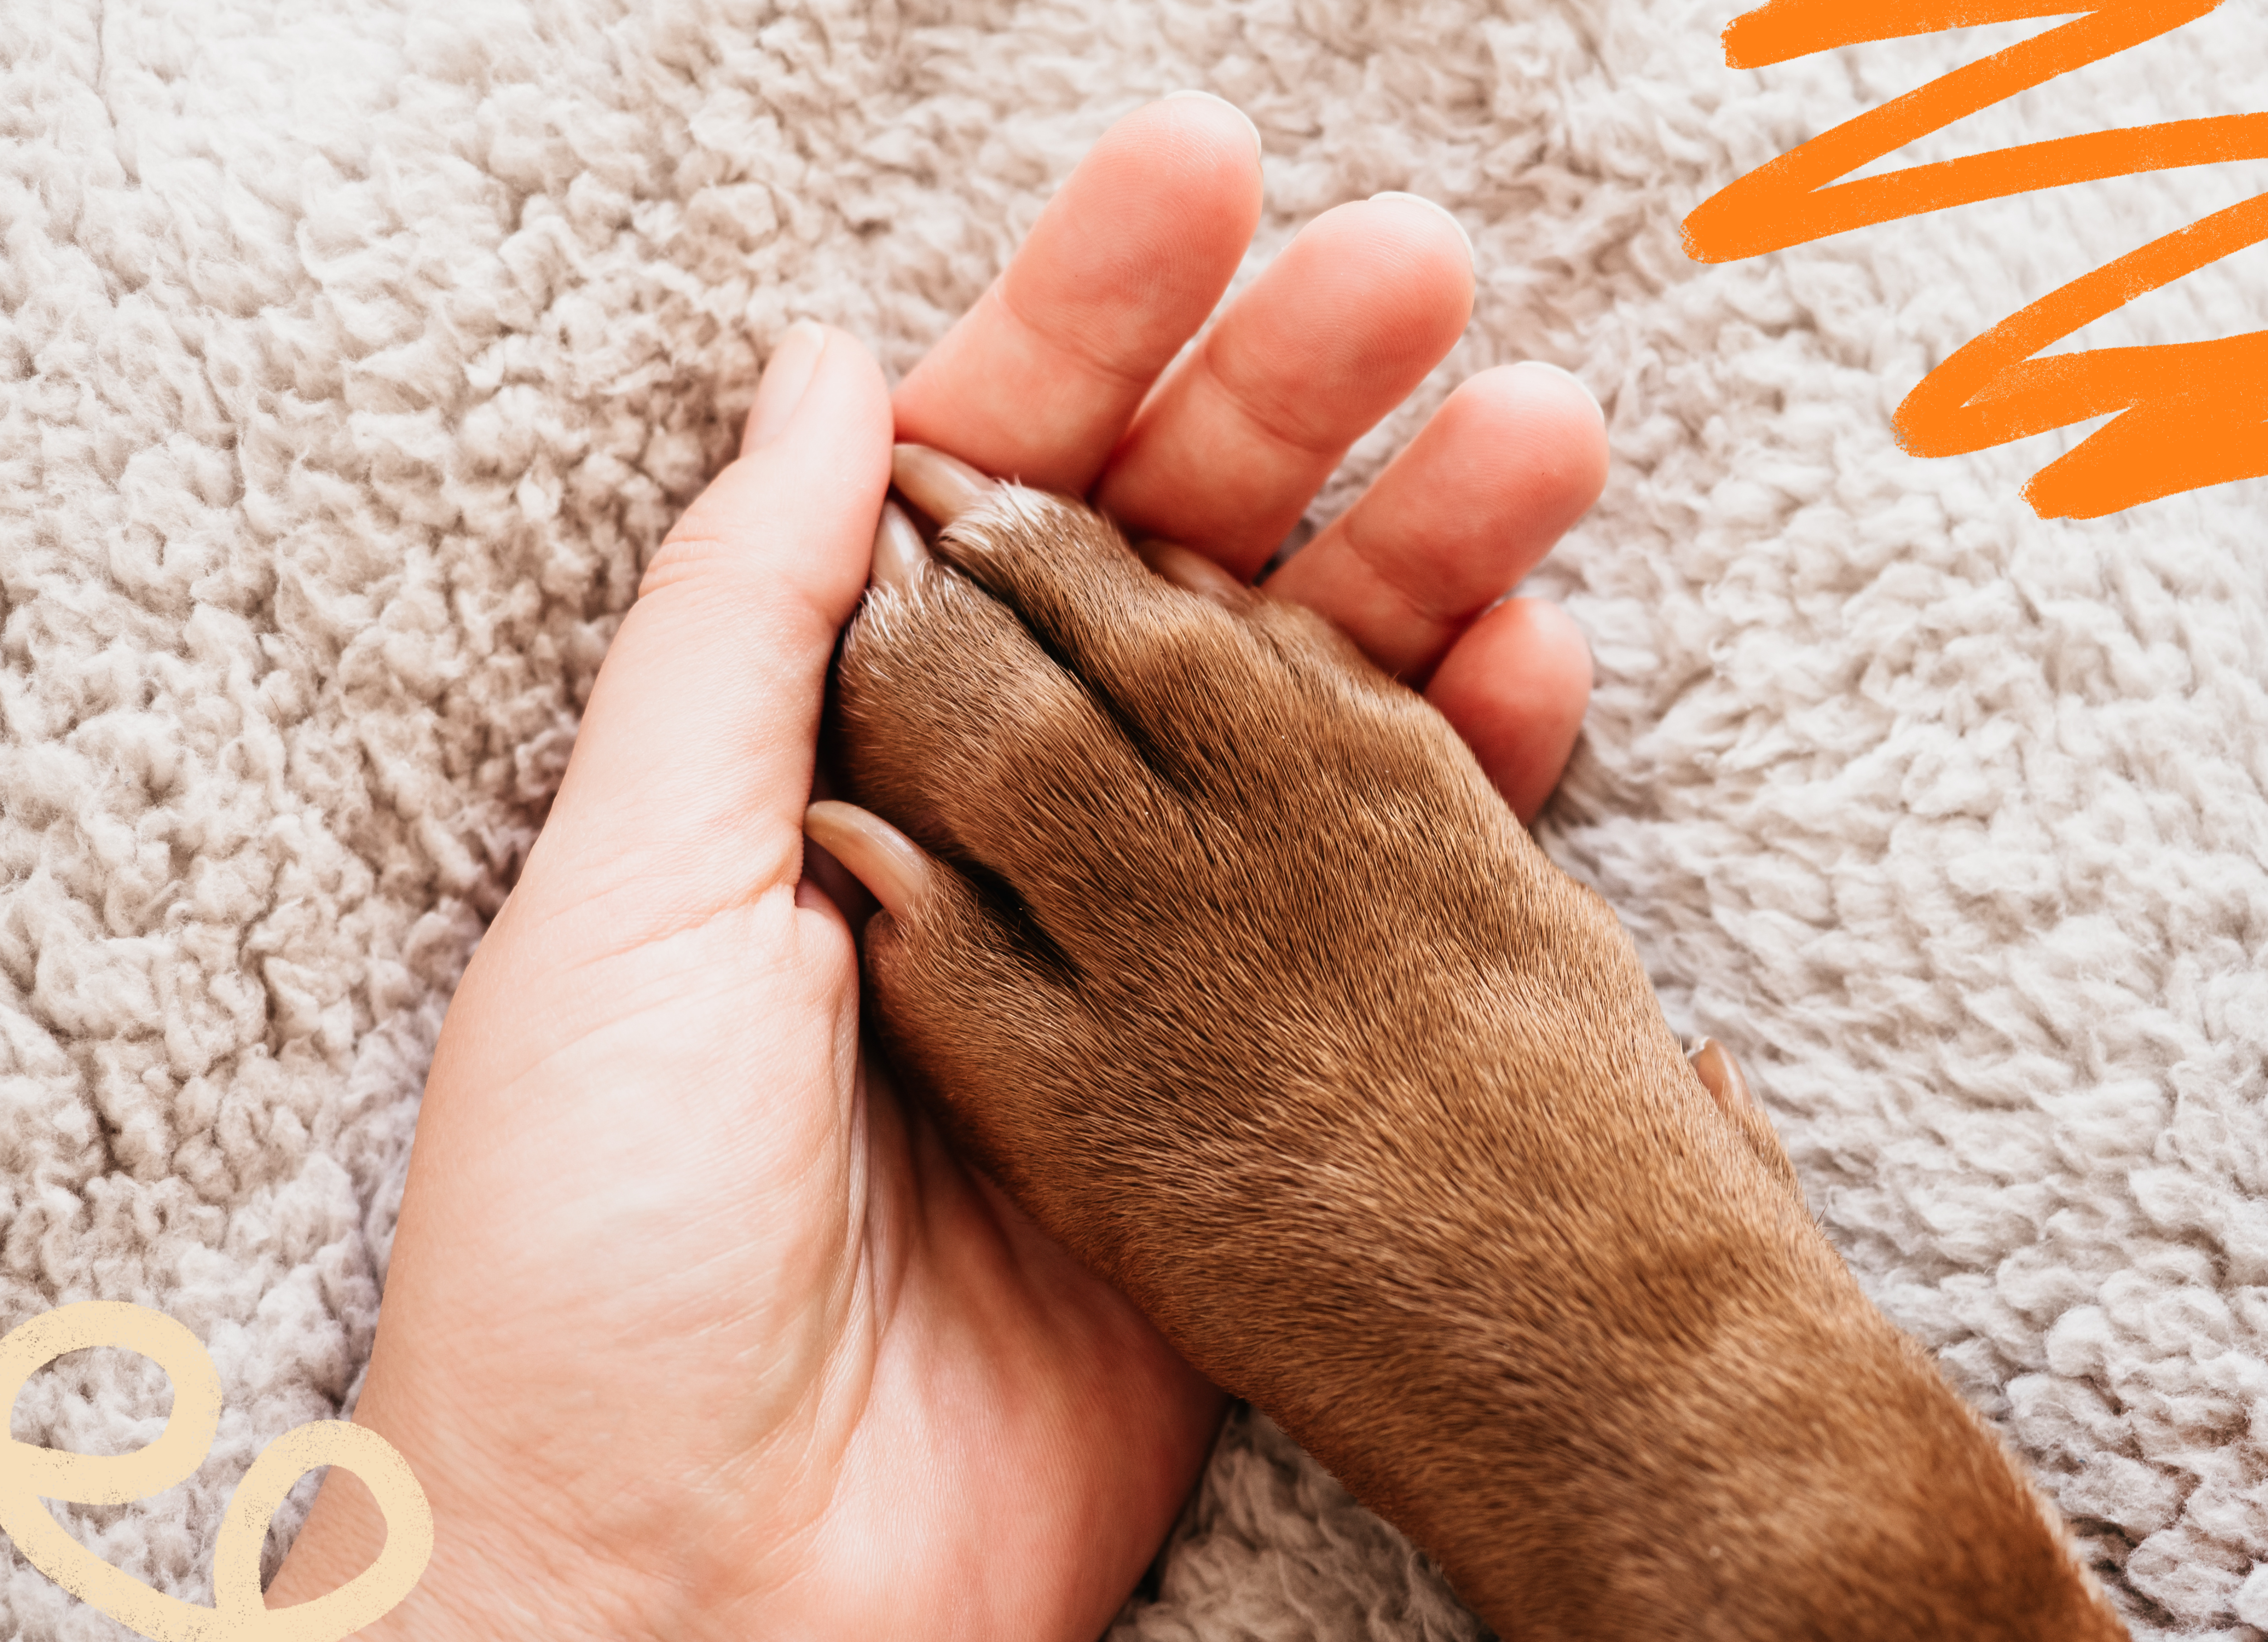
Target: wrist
{"x": 497, "y": 1570}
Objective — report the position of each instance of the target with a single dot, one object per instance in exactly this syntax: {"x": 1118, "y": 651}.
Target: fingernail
{"x": 941, "y": 486}
{"x": 899, "y": 553}
{"x": 787, "y": 373}
{"x": 1434, "y": 205}
{"x": 1256, "y": 150}
{"x": 891, "y": 865}
{"x": 1561, "y": 370}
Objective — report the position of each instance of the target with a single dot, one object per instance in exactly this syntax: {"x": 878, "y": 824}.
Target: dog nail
{"x": 943, "y": 487}
{"x": 1193, "y": 573}
{"x": 893, "y": 866}
{"x": 1720, "y": 1075}
{"x": 898, "y": 550}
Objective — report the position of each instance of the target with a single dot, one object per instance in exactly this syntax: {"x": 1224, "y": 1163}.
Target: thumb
{"x": 686, "y": 791}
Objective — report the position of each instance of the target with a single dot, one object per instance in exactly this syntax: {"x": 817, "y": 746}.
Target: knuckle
{"x": 683, "y": 556}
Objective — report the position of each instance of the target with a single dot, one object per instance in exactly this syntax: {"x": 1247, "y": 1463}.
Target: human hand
{"x": 1053, "y": 379}
{"x": 691, "y": 1327}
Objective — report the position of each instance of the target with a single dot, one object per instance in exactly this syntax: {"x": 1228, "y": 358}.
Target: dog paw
{"x": 1213, "y": 944}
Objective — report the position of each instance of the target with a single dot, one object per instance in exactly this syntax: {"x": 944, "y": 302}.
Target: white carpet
{"x": 353, "y": 356}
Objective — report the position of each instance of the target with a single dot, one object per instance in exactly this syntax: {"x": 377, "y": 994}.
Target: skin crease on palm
{"x": 691, "y": 1327}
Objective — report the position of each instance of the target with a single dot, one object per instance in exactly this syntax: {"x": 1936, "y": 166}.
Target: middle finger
{"x": 1233, "y": 444}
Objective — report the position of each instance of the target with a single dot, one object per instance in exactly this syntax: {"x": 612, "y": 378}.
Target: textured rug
{"x": 353, "y": 357}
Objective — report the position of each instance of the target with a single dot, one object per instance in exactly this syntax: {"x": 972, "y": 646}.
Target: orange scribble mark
{"x": 2194, "y": 413}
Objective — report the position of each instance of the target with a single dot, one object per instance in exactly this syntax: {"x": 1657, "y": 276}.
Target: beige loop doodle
{"x": 28, "y": 1474}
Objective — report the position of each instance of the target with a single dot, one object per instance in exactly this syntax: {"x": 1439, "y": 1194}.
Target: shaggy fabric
{"x": 353, "y": 357}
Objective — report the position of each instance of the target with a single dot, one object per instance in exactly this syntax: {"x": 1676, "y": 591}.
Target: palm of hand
{"x": 691, "y": 1326}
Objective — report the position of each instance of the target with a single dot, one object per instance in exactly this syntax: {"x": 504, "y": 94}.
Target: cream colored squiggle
{"x": 29, "y": 1474}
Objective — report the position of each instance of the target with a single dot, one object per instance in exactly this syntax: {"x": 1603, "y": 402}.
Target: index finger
{"x": 1039, "y": 379}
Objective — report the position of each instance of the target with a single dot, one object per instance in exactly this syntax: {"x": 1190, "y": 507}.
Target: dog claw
{"x": 894, "y": 869}
{"x": 941, "y": 486}
{"x": 1192, "y": 572}
{"x": 1721, "y": 1074}
{"x": 899, "y": 553}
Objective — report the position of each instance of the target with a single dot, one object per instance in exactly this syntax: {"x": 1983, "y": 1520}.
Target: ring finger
{"x": 1512, "y": 458}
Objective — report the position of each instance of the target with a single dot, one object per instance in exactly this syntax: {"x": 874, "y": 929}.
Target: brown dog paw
{"x": 1215, "y": 947}
{"x": 1221, "y": 920}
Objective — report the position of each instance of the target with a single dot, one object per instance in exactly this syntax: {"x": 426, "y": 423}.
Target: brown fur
{"x": 1251, "y": 991}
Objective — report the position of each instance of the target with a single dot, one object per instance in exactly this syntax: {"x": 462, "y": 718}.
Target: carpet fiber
{"x": 353, "y": 356}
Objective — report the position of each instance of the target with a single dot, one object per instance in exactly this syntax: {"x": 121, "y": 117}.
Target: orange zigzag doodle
{"x": 2194, "y": 413}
